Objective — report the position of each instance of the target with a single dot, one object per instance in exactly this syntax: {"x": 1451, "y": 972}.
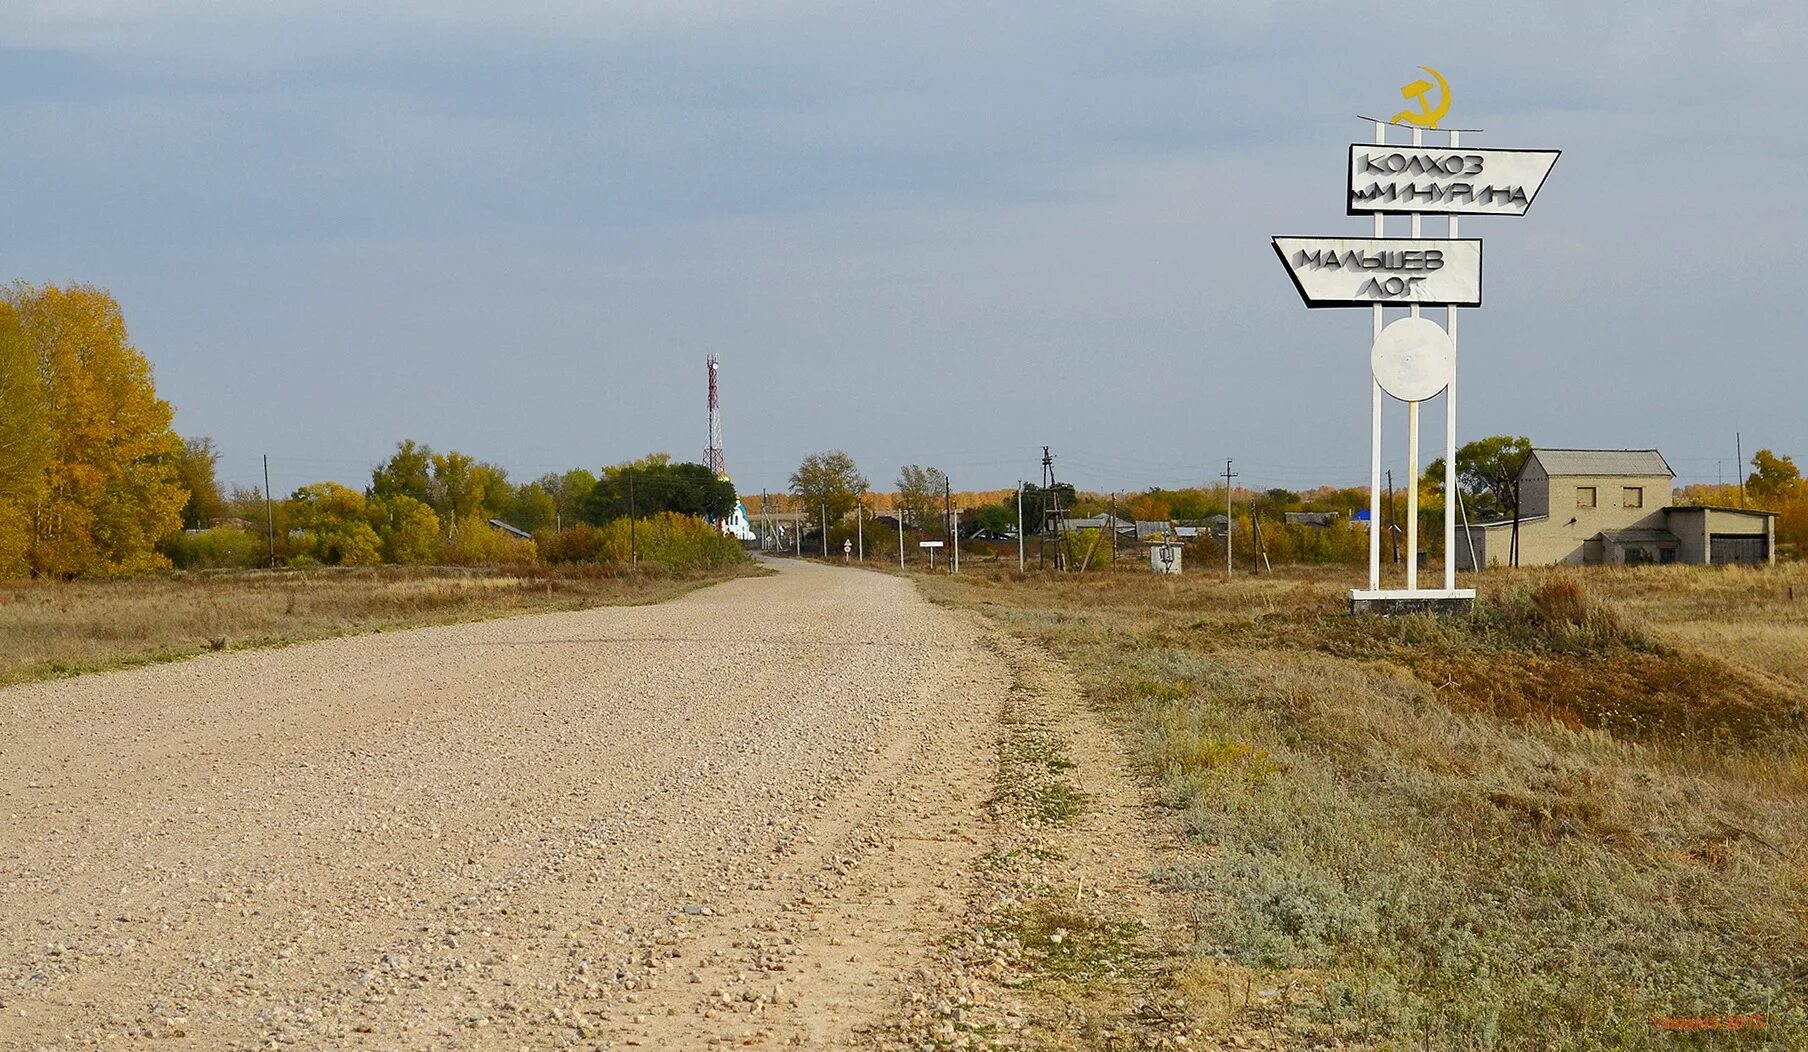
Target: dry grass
{"x": 50, "y": 629}
{"x": 1539, "y": 827}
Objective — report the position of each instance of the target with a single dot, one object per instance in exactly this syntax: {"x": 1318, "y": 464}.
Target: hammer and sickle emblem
{"x": 1426, "y": 116}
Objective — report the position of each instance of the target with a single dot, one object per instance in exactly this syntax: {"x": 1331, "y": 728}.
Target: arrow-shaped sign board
{"x": 1363, "y": 271}
{"x": 1445, "y": 180}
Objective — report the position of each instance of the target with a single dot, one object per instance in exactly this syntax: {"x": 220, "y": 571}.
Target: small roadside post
{"x": 930, "y": 546}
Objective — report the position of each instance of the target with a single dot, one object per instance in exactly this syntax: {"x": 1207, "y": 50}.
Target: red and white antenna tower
{"x": 712, "y": 457}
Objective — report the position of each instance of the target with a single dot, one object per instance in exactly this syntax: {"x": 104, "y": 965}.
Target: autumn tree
{"x": 409, "y": 529}
{"x": 110, "y": 488}
{"x": 920, "y": 494}
{"x": 828, "y": 483}
{"x": 195, "y": 466}
{"x": 1772, "y": 477}
{"x": 24, "y": 443}
{"x": 408, "y": 472}
{"x": 334, "y": 526}
{"x": 1153, "y": 506}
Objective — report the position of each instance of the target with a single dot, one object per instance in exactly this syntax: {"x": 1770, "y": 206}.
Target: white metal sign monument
{"x": 1413, "y": 359}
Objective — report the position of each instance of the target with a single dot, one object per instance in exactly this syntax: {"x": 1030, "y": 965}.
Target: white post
{"x": 1412, "y": 496}
{"x": 860, "y": 525}
{"x": 1019, "y": 525}
{"x": 1375, "y": 425}
{"x": 1412, "y": 439}
{"x": 1450, "y": 493}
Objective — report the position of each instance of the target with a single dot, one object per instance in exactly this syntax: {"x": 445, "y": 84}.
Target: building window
{"x": 1633, "y": 497}
{"x": 1585, "y": 496}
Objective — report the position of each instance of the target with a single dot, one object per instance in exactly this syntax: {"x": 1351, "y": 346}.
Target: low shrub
{"x": 1557, "y": 613}
{"x": 216, "y": 549}
{"x": 477, "y": 543}
{"x": 580, "y": 543}
{"x": 671, "y": 540}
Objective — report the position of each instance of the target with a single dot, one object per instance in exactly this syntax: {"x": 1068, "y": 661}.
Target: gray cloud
{"x": 943, "y": 233}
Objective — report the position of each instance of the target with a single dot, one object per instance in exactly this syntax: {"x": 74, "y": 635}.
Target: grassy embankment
{"x": 1575, "y": 820}
{"x": 50, "y": 629}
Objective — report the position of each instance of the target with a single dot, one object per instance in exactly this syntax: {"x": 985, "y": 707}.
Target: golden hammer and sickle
{"x": 1426, "y": 117}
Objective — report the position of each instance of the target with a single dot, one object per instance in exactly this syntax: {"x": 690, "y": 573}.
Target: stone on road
{"x": 738, "y": 816}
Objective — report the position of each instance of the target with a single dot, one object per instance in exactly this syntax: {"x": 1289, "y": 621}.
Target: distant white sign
{"x": 931, "y": 544}
{"x": 1362, "y": 271}
{"x": 1445, "y": 180}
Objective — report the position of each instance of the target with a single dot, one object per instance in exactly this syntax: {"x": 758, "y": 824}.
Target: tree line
{"x": 426, "y": 507}
{"x": 95, "y": 482}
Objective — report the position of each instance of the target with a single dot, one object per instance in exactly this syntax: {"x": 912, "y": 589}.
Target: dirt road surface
{"x": 742, "y": 816}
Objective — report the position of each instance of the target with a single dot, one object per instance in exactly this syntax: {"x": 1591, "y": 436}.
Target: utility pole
{"x": 1019, "y": 525}
{"x": 825, "y": 529}
{"x": 1114, "y": 526}
{"x": 947, "y": 507}
{"x": 1230, "y": 520}
{"x": 1255, "y": 534}
{"x": 269, "y": 511}
{"x": 633, "y": 556}
{"x": 1739, "y": 447}
{"x": 1051, "y": 509}
{"x": 797, "y": 530}
{"x": 1393, "y": 540}
{"x": 860, "y": 527}
{"x": 897, "y": 511}
{"x": 956, "y": 564}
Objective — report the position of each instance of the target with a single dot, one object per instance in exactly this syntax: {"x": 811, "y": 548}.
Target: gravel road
{"x": 742, "y": 816}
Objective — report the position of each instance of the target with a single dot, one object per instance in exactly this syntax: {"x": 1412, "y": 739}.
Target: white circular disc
{"x": 1413, "y": 359}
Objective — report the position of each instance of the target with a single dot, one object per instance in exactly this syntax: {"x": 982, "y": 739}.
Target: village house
{"x": 1612, "y": 507}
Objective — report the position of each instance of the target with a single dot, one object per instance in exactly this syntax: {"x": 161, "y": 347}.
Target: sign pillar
{"x": 1451, "y": 495}
{"x": 1412, "y": 433}
{"x": 1375, "y": 421}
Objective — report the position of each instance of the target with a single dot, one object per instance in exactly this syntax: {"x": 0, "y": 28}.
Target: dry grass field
{"x": 52, "y": 629}
{"x": 1575, "y": 820}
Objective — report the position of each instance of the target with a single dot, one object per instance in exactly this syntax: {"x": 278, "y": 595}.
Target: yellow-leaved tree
{"x": 110, "y": 488}
{"x": 24, "y": 444}
{"x": 331, "y": 524}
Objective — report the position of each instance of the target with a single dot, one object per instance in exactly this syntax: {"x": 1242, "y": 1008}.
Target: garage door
{"x": 1738, "y": 548}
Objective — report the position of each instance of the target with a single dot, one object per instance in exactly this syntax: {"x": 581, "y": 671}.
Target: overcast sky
{"x": 943, "y": 233}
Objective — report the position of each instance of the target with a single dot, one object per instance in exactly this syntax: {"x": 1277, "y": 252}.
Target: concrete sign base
{"x": 1397, "y": 602}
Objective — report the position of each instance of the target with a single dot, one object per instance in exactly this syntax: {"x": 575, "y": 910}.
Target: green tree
{"x": 1191, "y": 505}
{"x": 534, "y": 508}
{"x": 568, "y": 493}
{"x": 196, "y": 466}
{"x": 991, "y": 518}
{"x": 655, "y": 485}
{"x": 921, "y": 493}
{"x": 1038, "y": 502}
{"x": 828, "y": 483}
{"x": 1486, "y": 471}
